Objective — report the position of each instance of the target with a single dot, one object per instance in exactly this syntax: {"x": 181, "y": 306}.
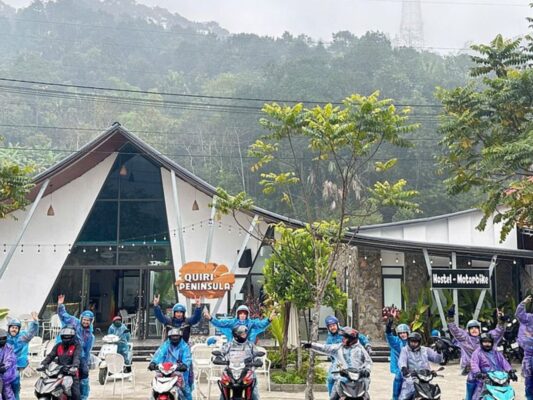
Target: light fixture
{"x": 123, "y": 170}
{"x": 131, "y": 178}
{"x": 514, "y": 262}
{"x": 51, "y": 211}
{"x": 195, "y": 206}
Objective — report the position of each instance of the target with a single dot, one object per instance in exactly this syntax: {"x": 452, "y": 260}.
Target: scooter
{"x": 424, "y": 389}
{"x": 509, "y": 345}
{"x": 110, "y": 346}
{"x": 237, "y": 381}
{"x": 168, "y": 382}
{"x": 350, "y": 385}
{"x": 449, "y": 350}
{"x": 55, "y": 382}
{"x": 496, "y": 387}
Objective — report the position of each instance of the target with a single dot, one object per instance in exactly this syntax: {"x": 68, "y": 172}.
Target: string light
{"x": 96, "y": 250}
{"x": 469, "y": 262}
{"x": 514, "y": 262}
{"x": 22, "y": 248}
{"x": 110, "y": 248}
{"x": 414, "y": 261}
{"x": 5, "y": 248}
{"x": 84, "y": 250}
{"x": 54, "y": 248}
{"x": 38, "y": 248}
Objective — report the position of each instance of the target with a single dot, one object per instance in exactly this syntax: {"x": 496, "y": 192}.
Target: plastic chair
{"x": 115, "y": 369}
{"x": 201, "y": 361}
{"x": 36, "y": 354}
{"x": 265, "y": 369}
{"x": 55, "y": 326}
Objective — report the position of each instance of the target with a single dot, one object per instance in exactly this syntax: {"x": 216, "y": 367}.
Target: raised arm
{"x": 64, "y": 316}
{"x": 33, "y": 329}
{"x": 433, "y": 356}
{"x": 160, "y": 316}
{"x": 522, "y": 315}
{"x": 196, "y": 316}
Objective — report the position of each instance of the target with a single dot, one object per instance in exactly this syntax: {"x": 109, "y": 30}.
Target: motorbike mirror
{"x": 259, "y": 354}
{"x": 216, "y": 353}
{"x": 181, "y": 368}
{"x": 257, "y": 363}
{"x": 220, "y": 361}
{"x": 440, "y": 369}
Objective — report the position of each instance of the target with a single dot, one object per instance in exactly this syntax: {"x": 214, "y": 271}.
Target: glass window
{"x": 101, "y": 225}
{"x": 92, "y": 255}
{"x": 142, "y": 179}
{"x": 143, "y": 221}
{"x": 392, "y": 292}
{"x": 70, "y": 284}
{"x": 151, "y": 256}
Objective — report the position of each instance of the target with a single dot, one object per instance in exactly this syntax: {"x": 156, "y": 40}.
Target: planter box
{"x": 276, "y": 387}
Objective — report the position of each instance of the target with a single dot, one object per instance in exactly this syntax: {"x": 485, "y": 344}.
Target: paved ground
{"x": 452, "y": 386}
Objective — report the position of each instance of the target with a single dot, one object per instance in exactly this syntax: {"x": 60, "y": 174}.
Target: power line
{"x": 265, "y": 100}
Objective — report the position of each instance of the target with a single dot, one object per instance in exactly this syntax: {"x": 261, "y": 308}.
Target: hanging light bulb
{"x": 96, "y": 250}
{"x": 38, "y": 248}
{"x": 514, "y": 262}
{"x": 51, "y": 211}
{"x": 22, "y": 248}
{"x": 195, "y": 205}
{"x": 414, "y": 261}
{"x": 123, "y": 170}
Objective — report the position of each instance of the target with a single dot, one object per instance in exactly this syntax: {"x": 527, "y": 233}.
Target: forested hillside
{"x": 222, "y": 81}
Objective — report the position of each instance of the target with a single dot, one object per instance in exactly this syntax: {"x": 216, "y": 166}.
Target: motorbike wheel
{"x": 102, "y": 375}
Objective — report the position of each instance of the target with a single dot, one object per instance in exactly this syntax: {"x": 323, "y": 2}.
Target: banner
{"x": 460, "y": 279}
{"x": 198, "y": 279}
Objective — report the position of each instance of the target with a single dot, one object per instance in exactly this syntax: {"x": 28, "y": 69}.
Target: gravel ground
{"x": 452, "y": 386}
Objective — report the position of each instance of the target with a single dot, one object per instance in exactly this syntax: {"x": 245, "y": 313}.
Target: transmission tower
{"x": 411, "y": 27}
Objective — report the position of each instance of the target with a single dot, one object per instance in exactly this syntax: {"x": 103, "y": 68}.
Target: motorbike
{"x": 349, "y": 385}
{"x": 509, "y": 345}
{"x": 424, "y": 389}
{"x": 448, "y": 349}
{"x": 238, "y": 380}
{"x": 497, "y": 387}
{"x": 55, "y": 382}
{"x": 110, "y": 346}
{"x": 168, "y": 382}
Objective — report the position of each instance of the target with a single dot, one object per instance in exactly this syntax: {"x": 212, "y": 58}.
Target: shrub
{"x": 294, "y": 376}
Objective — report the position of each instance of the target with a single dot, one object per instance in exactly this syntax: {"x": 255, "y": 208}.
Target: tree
{"x": 488, "y": 134}
{"x": 325, "y": 150}
{"x": 15, "y": 183}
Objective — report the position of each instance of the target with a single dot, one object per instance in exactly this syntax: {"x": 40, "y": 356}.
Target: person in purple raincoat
{"x": 468, "y": 340}
{"x": 8, "y": 366}
{"x": 525, "y": 340}
{"x": 486, "y": 359}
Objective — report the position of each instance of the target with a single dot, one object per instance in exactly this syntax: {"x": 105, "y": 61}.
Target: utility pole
{"x": 411, "y": 26}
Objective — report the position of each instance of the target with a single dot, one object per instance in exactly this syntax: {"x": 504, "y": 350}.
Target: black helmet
{"x": 351, "y": 335}
{"x": 414, "y": 337}
{"x": 67, "y": 335}
{"x": 175, "y": 335}
{"x": 240, "y": 333}
{"x": 3, "y": 337}
{"x": 486, "y": 338}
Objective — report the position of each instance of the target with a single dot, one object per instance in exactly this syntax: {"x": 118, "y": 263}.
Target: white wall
{"x": 30, "y": 275}
{"x": 227, "y": 236}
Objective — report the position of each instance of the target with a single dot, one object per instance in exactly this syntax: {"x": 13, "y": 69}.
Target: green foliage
{"x": 299, "y": 376}
{"x": 488, "y": 134}
{"x": 276, "y": 328}
{"x": 3, "y": 313}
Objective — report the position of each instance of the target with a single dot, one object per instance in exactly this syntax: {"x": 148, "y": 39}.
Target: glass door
{"x": 159, "y": 282}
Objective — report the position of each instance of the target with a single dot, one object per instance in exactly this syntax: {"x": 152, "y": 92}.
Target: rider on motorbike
{"x": 84, "y": 333}
{"x": 67, "y": 353}
{"x": 349, "y": 353}
{"x": 335, "y": 337}
{"x": 19, "y": 341}
{"x": 415, "y": 357}
{"x": 255, "y": 326}
{"x": 485, "y": 359}
{"x": 525, "y": 339}
{"x": 178, "y": 317}
{"x": 119, "y": 329}
{"x": 176, "y": 351}
{"x": 240, "y": 346}
{"x": 396, "y": 343}
{"x": 468, "y": 340}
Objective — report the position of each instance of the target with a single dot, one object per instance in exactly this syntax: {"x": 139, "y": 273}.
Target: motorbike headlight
{"x": 425, "y": 378}
{"x": 353, "y": 376}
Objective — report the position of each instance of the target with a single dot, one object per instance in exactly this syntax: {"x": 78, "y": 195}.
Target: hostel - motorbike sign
{"x": 460, "y": 278}
{"x": 209, "y": 280}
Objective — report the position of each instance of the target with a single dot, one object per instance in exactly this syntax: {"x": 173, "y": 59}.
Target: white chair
{"x": 36, "y": 354}
{"x": 201, "y": 361}
{"x": 214, "y": 376}
{"x": 115, "y": 370}
{"x": 55, "y": 326}
{"x": 265, "y": 369}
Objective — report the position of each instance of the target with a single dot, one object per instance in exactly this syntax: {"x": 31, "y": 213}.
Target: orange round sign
{"x": 198, "y": 279}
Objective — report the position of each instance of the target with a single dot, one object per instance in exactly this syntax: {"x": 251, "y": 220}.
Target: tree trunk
{"x": 309, "y": 395}
{"x": 284, "y": 346}
{"x": 299, "y": 349}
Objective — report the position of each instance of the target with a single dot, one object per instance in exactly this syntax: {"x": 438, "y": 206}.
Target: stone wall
{"x": 415, "y": 275}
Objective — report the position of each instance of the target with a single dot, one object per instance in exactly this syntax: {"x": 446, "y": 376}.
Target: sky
{"x": 448, "y": 24}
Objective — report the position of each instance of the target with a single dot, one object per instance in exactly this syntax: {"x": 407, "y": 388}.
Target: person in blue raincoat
{"x": 396, "y": 343}
{"x": 178, "y": 317}
{"x": 255, "y": 326}
{"x": 84, "y": 333}
{"x": 19, "y": 340}
{"x": 175, "y": 350}
{"x": 335, "y": 337}
{"x": 119, "y": 329}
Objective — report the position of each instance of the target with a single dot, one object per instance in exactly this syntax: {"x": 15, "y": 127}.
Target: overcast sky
{"x": 447, "y": 23}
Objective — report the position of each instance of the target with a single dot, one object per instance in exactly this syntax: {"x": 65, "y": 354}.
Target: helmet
{"x": 403, "y": 328}
{"x": 473, "y": 324}
{"x": 331, "y": 320}
{"x": 67, "y": 335}
{"x": 435, "y": 333}
{"x": 87, "y": 314}
{"x": 243, "y": 308}
{"x": 3, "y": 337}
{"x": 117, "y": 318}
{"x": 211, "y": 341}
{"x": 14, "y": 322}
{"x": 414, "y": 337}
{"x": 178, "y": 307}
{"x": 240, "y": 333}
{"x": 351, "y": 335}
{"x": 486, "y": 337}
{"x": 174, "y": 335}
